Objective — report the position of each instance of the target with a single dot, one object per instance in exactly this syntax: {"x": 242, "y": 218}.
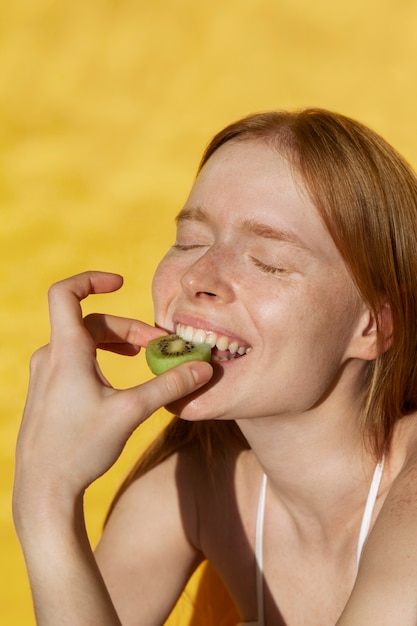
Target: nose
{"x": 210, "y": 277}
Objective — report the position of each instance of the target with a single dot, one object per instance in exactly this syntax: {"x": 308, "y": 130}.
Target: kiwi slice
{"x": 170, "y": 350}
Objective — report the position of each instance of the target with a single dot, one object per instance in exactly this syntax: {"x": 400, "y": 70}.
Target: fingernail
{"x": 201, "y": 373}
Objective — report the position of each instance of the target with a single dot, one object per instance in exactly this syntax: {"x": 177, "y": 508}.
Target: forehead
{"x": 253, "y": 165}
{"x": 247, "y": 182}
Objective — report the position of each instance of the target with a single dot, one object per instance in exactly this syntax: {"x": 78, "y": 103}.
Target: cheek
{"x": 163, "y": 285}
{"x": 333, "y": 316}
{"x": 166, "y": 286}
{"x": 316, "y": 320}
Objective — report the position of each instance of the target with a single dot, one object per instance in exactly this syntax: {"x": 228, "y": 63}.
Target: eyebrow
{"x": 269, "y": 232}
{"x": 196, "y": 214}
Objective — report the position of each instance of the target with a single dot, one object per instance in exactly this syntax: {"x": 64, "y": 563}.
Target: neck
{"x": 316, "y": 463}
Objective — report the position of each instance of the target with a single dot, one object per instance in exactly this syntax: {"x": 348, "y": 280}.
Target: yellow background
{"x": 105, "y": 108}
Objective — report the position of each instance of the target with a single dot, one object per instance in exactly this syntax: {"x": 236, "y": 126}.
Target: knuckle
{"x": 54, "y": 290}
{"x": 74, "y": 284}
{"x": 37, "y": 359}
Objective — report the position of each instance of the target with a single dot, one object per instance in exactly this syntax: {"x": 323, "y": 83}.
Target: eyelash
{"x": 268, "y": 269}
{"x": 183, "y": 246}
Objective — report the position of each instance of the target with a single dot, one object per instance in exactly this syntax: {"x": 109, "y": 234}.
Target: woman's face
{"x": 254, "y": 267}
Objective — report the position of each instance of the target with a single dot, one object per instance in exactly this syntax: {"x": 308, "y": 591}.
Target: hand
{"x": 75, "y": 424}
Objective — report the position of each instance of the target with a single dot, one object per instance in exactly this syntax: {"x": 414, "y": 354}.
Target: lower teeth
{"x": 220, "y": 359}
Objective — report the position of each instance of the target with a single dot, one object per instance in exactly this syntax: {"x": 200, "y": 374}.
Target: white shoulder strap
{"x": 259, "y": 550}
{"x": 369, "y": 508}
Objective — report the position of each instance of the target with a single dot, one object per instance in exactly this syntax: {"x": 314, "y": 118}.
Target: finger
{"x": 119, "y": 334}
{"x": 65, "y": 297}
{"x": 172, "y": 385}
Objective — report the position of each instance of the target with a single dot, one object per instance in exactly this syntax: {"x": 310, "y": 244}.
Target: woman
{"x": 291, "y": 469}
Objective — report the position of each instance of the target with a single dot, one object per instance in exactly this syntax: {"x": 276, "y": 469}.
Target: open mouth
{"x": 223, "y": 348}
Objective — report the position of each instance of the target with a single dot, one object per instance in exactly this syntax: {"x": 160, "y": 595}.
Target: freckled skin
{"x": 295, "y": 305}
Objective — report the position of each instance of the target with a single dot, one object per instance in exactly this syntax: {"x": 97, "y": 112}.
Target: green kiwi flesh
{"x": 170, "y": 350}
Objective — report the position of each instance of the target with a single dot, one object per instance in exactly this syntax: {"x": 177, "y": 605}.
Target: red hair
{"x": 367, "y": 196}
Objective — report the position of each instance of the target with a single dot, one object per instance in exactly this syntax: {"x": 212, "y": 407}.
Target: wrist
{"x": 44, "y": 512}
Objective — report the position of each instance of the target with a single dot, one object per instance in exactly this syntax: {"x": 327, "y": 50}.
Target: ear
{"x": 376, "y": 332}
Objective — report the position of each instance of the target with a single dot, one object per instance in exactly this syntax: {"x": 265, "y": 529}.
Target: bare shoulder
{"x": 384, "y": 592}
{"x": 401, "y": 476}
{"x": 161, "y": 501}
{"x": 184, "y": 510}
{"x": 407, "y": 430}
{"x": 177, "y": 492}
{"x": 400, "y": 506}
{"x": 153, "y": 528}
{"x": 398, "y": 514}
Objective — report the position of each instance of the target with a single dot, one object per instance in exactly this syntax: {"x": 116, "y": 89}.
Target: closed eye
{"x": 189, "y": 246}
{"x": 268, "y": 269}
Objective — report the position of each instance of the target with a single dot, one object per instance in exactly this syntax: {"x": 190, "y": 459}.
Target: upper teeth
{"x": 223, "y": 343}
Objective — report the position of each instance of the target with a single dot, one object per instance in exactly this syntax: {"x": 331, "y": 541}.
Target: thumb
{"x": 172, "y": 385}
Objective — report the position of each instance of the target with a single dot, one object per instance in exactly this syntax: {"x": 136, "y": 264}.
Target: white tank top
{"x": 363, "y": 533}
